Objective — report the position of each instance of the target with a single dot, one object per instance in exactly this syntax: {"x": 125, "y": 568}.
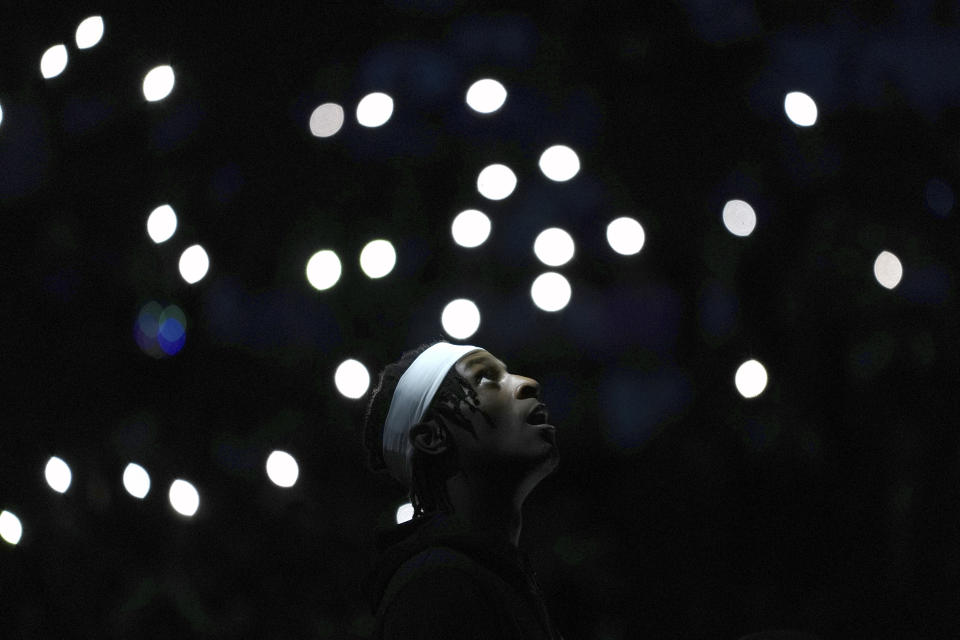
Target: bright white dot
{"x": 800, "y": 108}
{"x": 554, "y": 247}
{"x": 460, "y": 318}
{"x": 550, "y": 291}
{"x": 751, "y": 379}
{"x": 136, "y": 480}
{"x": 1, "y": 114}
{"x": 326, "y": 120}
{"x": 486, "y": 96}
{"x": 194, "y": 264}
{"x": 282, "y": 469}
{"x": 374, "y": 109}
{"x": 352, "y": 379}
{"x": 559, "y": 163}
{"x": 323, "y": 269}
{"x": 58, "y": 474}
{"x": 404, "y": 513}
{"x": 161, "y": 223}
{"x": 470, "y": 228}
{"x": 53, "y": 61}
{"x": 888, "y": 270}
{"x": 11, "y": 529}
{"x": 739, "y": 218}
{"x": 89, "y": 32}
{"x": 158, "y": 83}
{"x": 184, "y": 497}
{"x": 625, "y": 236}
{"x": 496, "y": 182}
{"x": 378, "y": 258}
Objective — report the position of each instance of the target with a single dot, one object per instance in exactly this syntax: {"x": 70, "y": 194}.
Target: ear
{"x": 430, "y": 437}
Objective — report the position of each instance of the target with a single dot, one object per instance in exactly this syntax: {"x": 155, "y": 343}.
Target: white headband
{"x": 410, "y": 401}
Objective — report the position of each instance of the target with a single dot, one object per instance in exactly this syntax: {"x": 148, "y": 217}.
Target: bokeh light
{"x": 550, "y": 291}
{"x": 89, "y": 32}
{"x": 352, "y": 379}
{"x": 1, "y": 114}
{"x": 460, "y": 318}
{"x": 160, "y": 331}
{"x": 53, "y": 61}
{"x": 58, "y": 474}
{"x": 404, "y": 513}
{"x": 282, "y": 469}
{"x": 559, "y": 163}
{"x": 194, "y": 264}
{"x": 800, "y": 108}
{"x": 887, "y": 269}
{"x": 184, "y": 497}
{"x": 750, "y": 379}
{"x": 496, "y": 181}
{"x": 470, "y": 228}
{"x": 326, "y": 120}
{"x": 486, "y": 95}
{"x": 158, "y": 83}
{"x": 162, "y": 223}
{"x": 554, "y": 247}
{"x": 739, "y": 218}
{"x": 625, "y": 236}
{"x": 378, "y": 258}
{"x": 323, "y": 269}
{"x": 10, "y": 528}
{"x": 374, "y": 109}
{"x": 136, "y": 480}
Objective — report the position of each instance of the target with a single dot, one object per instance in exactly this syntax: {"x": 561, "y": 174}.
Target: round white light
{"x": 404, "y": 513}
{"x": 888, "y": 270}
{"x": 554, "y": 247}
{"x": 282, "y": 469}
{"x": 10, "y": 528}
{"x": 550, "y": 291}
{"x": 136, "y": 480}
{"x": 184, "y": 497}
{"x": 800, "y": 108}
{"x": 194, "y": 264}
{"x": 352, "y": 379}
{"x": 89, "y": 32}
{"x": 739, "y": 218}
{"x": 625, "y": 236}
{"x": 162, "y": 223}
{"x": 496, "y": 182}
{"x": 374, "y": 109}
{"x": 58, "y": 474}
{"x": 559, "y": 163}
{"x": 323, "y": 269}
{"x": 460, "y": 318}
{"x": 326, "y": 120}
{"x": 486, "y": 96}
{"x": 470, "y": 228}
{"x": 53, "y": 61}
{"x": 158, "y": 83}
{"x": 750, "y": 379}
{"x": 1, "y": 114}
{"x": 378, "y": 258}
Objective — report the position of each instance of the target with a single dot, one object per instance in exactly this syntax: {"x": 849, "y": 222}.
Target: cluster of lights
{"x": 194, "y": 262}
{"x": 160, "y": 331}
{"x": 377, "y": 259}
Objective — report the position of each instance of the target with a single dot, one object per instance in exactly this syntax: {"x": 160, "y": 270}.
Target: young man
{"x": 469, "y": 440}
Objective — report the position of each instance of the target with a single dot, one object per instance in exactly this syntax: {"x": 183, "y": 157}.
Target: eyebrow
{"x": 481, "y": 358}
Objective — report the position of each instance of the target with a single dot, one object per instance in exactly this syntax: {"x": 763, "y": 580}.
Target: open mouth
{"x": 539, "y": 415}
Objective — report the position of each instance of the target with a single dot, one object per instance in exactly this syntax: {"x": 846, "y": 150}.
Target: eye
{"x": 486, "y": 373}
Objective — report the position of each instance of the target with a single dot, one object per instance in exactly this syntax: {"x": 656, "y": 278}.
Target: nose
{"x": 526, "y": 388}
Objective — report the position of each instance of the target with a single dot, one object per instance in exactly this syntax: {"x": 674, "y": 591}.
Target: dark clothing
{"x": 435, "y": 578}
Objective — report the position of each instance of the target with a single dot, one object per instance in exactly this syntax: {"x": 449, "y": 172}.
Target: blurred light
{"x": 89, "y": 32}
{"x": 559, "y": 163}
{"x": 750, "y": 379}
{"x": 378, "y": 258}
{"x": 404, "y": 513}
{"x": 460, "y": 318}
{"x": 939, "y": 197}
{"x": 162, "y": 223}
{"x": 800, "y": 108}
{"x": 374, "y": 109}
{"x": 10, "y": 527}
{"x": 625, "y": 236}
{"x": 486, "y": 96}
{"x": 136, "y": 480}
{"x": 282, "y": 469}
{"x": 496, "y": 182}
{"x": 470, "y": 228}
{"x": 160, "y": 331}
{"x": 554, "y": 247}
{"x": 158, "y": 83}
{"x": 194, "y": 264}
{"x": 184, "y": 497}
{"x": 58, "y": 475}
{"x": 53, "y": 61}
{"x": 326, "y": 120}
{"x": 888, "y": 270}
{"x": 352, "y": 379}
{"x": 323, "y": 269}
{"x": 739, "y": 218}
{"x": 550, "y": 291}
{"x": 1, "y": 114}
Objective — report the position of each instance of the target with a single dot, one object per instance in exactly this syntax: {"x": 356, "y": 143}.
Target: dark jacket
{"x": 435, "y": 578}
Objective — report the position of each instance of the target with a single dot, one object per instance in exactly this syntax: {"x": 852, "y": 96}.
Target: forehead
{"x": 477, "y": 358}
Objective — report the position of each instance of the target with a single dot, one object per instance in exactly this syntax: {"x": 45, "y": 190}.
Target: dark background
{"x": 680, "y": 509}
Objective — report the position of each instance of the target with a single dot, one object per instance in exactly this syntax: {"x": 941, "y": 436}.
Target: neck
{"x": 486, "y": 507}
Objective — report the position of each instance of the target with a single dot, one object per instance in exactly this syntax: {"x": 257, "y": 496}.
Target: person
{"x": 469, "y": 441}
